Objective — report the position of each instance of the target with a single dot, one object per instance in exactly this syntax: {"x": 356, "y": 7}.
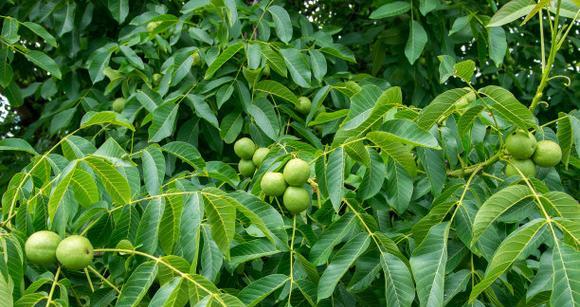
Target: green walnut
{"x": 246, "y": 167}
{"x": 304, "y": 104}
{"x": 273, "y": 184}
{"x": 245, "y": 148}
{"x": 259, "y": 155}
{"x": 527, "y": 167}
{"x": 296, "y": 172}
{"x": 40, "y": 247}
{"x": 296, "y": 199}
{"x": 196, "y": 58}
{"x": 119, "y": 104}
{"x": 75, "y": 252}
{"x": 547, "y": 153}
{"x": 521, "y": 144}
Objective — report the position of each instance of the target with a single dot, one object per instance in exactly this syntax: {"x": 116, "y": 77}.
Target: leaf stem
{"x": 292, "y": 258}
{"x": 167, "y": 265}
{"x": 104, "y": 279}
{"x": 53, "y": 287}
{"x": 475, "y": 167}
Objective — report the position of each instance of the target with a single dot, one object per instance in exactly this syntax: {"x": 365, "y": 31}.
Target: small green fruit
{"x": 75, "y": 252}
{"x": 40, "y": 247}
{"x": 547, "y": 153}
{"x": 156, "y": 78}
{"x": 246, "y": 167}
{"x": 119, "y": 105}
{"x": 296, "y": 172}
{"x": 296, "y": 199}
{"x": 196, "y": 58}
{"x": 245, "y": 148}
{"x": 151, "y": 26}
{"x": 273, "y": 184}
{"x": 304, "y": 104}
{"x": 259, "y": 155}
{"x": 520, "y": 144}
{"x": 527, "y": 167}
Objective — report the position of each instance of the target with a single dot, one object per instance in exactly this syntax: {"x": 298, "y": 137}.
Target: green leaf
{"x": 211, "y": 257}
{"x": 391, "y": 9}
{"x": 367, "y": 109}
{"x": 408, "y": 132}
{"x": 416, "y": 42}
{"x": 16, "y": 144}
{"x": 399, "y": 188}
{"x": 203, "y": 110}
{"x": 496, "y": 205}
{"x": 332, "y": 236}
{"x": 264, "y": 121}
{"x": 497, "y": 45}
{"x": 98, "y": 61}
{"x": 167, "y": 293}
{"x": 509, "y": 107}
{"x": 251, "y": 250}
{"x": 399, "y": 288}
{"x": 137, "y": 285}
{"x": 456, "y": 283}
{"x": 566, "y": 278}
{"x": 326, "y": 117}
{"x": 221, "y": 216}
{"x": 538, "y": 7}
{"x": 10, "y": 30}
{"x": 563, "y": 204}
{"x": 428, "y": 265}
{"x": 459, "y": 24}
{"x": 440, "y": 106}
{"x": 92, "y": 118}
{"x": 446, "y": 67}
{"x": 318, "y": 64}
{"x": 275, "y": 60}
{"x": 338, "y": 51}
{"x": 511, "y": 11}
{"x": 119, "y": 9}
{"x": 148, "y": 235}
{"x": 225, "y": 56}
{"x": 276, "y": 89}
{"x": 231, "y": 127}
{"x": 509, "y": 251}
{"x": 131, "y": 56}
{"x": 427, "y": 6}
{"x": 374, "y": 176}
{"x": 259, "y": 289}
{"x": 565, "y": 137}
{"x": 464, "y": 70}
{"x": 41, "y": 31}
{"x": 340, "y": 263}
{"x": 163, "y": 124}
{"x": 115, "y": 184}
{"x": 153, "y": 168}
{"x": 282, "y": 23}
{"x": 335, "y": 173}
{"x": 186, "y": 152}
{"x": 43, "y": 61}
{"x": 147, "y": 101}
{"x": 85, "y": 187}
{"x": 58, "y": 195}
{"x": 396, "y": 151}
{"x": 297, "y": 64}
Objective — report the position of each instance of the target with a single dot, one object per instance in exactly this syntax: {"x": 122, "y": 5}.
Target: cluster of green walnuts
{"x": 45, "y": 248}
{"x": 289, "y": 184}
{"x": 527, "y": 153}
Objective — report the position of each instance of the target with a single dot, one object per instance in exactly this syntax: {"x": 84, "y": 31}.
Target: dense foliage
{"x": 342, "y": 153}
